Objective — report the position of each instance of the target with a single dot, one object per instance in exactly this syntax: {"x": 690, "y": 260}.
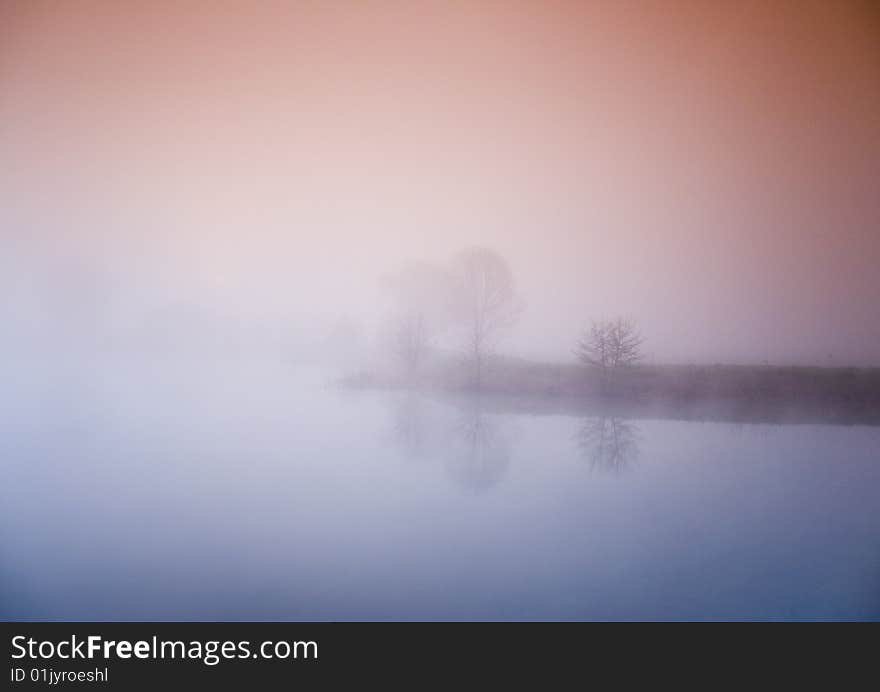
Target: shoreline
{"x": 717, "y": 393}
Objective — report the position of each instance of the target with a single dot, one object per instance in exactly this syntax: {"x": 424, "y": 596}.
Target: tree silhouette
{"x": 485, "y": 302}
{"x": 611, "y": 344}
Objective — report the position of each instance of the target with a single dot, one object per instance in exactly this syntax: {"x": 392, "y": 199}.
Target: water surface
{"x": 216, "y": 490}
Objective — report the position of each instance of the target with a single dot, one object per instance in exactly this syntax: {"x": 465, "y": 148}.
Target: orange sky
{"x": 711, "y": 170}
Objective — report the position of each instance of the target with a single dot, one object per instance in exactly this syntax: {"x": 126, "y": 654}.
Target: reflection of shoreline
{"x": 706, "y": 410}
{"x": 471, "y": 444}
{"x": 609, "y": 444}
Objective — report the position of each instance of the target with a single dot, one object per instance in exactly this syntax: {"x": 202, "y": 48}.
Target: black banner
{"x": 129, "y": 656}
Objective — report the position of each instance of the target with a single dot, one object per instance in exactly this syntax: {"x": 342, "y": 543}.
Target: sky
{"x": 709, "y": 170}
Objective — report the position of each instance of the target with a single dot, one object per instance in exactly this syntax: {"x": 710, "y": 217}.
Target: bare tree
{"x": 486, "y": 303}
{"x": 410, "y": 341}
{"x": 420, "y": 294}
{"x": 611, "y": 344}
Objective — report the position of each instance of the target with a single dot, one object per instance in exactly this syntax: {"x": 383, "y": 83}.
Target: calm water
{"x": 229, "y": 491}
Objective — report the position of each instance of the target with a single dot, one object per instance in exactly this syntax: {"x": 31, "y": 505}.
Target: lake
{"x": 229, "y": 490}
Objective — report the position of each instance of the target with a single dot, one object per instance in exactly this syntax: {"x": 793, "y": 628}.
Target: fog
{"x": 192, "y": 490}
{"x": 246, "y": 179}
{"x": 439, "y": 310}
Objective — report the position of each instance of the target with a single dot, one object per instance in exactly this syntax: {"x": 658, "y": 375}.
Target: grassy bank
{"x": 719, "y": 392}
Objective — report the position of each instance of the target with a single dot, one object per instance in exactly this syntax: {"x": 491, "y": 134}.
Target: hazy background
{"x": 711, "y": 170}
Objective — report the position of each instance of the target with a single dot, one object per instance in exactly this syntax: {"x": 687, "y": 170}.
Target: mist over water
{"x": 158, "y": 490}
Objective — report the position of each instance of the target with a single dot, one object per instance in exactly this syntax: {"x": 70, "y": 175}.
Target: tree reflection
{"x": 411, "y": 427}
{"x": 472, "y": 445}
{"x": 609, "y": 444}
{"x": 481, "y": 450}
